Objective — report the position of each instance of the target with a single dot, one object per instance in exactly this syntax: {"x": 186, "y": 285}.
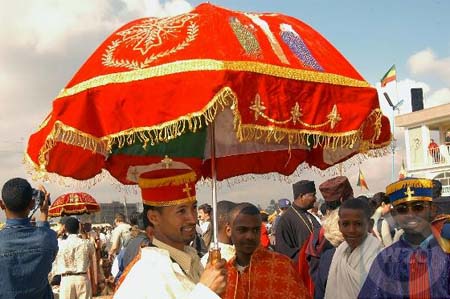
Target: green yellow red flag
{"x": 391, "y": 75}
{"x": 362, "y": 181}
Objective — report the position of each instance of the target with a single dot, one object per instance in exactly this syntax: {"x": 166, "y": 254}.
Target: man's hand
{"x": 215, "y": 276}
{"x": 44, "y": 208}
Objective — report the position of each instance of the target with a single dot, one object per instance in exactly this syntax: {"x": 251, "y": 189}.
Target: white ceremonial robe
{"x": 349, "y": 269}
{"x": 156, "y": 276}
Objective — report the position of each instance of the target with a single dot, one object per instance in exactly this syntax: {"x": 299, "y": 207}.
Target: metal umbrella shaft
{"x": 215, "y": 250}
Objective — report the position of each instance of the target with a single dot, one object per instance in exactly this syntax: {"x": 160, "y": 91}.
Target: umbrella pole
{"x": 215, "y": 250}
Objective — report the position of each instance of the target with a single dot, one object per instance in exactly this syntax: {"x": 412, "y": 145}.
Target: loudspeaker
{"x": 416, "y": 99}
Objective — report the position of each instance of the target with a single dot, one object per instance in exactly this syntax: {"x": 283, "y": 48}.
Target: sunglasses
{"x": 416, "y": 208}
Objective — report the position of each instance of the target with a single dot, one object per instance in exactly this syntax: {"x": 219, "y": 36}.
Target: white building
{"x": 424, "y": 158}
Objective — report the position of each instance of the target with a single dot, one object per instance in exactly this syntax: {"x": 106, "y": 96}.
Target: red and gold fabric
{"x": 168, "y": 187}
{"x": 278, "y": 92}
{"x": 73, "y": 204}
{"x": 436, "y": 227}
{"x": 270, "y": 275}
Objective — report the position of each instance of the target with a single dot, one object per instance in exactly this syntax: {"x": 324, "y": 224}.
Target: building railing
{"x": 445, "y": 190}
{"x": 438, "y": 155}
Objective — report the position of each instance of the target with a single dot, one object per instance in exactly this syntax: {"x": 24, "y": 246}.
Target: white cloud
{"x": 439, "y": 97}
{"x": 425, "y": 62}
{"x": 48, "y": 26}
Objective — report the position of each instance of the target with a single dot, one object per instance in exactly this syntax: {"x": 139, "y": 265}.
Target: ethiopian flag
{"x": 391, "y": 75}
{"x": 362, "y": 181}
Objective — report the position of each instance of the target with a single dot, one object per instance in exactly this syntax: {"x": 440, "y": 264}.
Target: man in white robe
{"x": 169, "y": 269}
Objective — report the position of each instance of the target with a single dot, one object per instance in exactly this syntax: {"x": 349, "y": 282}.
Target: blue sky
{"x": 373, "y": 35}
{"x": 45, "y": 42}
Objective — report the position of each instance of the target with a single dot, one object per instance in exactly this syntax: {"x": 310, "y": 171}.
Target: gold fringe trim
{"x": 169, "y": 203}
{"x": 195, "y": 121}
{"x": 193, "y": 65}
{"x": 169, "y": 181}
{"x": 411, "y": 199}
{"x": 412, "y": 183}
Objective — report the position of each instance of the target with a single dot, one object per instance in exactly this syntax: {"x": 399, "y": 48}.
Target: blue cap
{"x": 284, "y": 203}
{"x": 410, "y": 189}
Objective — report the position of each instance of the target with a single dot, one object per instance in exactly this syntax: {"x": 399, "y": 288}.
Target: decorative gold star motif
{"x": 334, "y": 117}
{"x": 187, "y": 190}
{"x": 296, "y": 113}
{"x": 73, "y": 198}
{"x": 409, "y": 192}
{"x": 167, "y": 162}
{"x": 258, "y": 106}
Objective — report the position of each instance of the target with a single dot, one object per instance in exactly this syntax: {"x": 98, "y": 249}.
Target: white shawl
{"x": 349, "y": 269}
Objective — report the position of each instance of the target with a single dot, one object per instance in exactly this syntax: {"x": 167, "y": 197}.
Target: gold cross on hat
{"x": 187, "y": 190}
{"x": 409, "y": 193}
{"x": 167, "y": 162}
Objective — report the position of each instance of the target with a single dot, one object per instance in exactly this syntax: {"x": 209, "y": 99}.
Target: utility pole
{"x": 393, "y": 145}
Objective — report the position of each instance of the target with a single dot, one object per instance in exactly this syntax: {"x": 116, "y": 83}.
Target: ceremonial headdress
{"x": 167, "y": 187}
{"x": 410, "y": 189}
{"x": 303, "y": 187}
{"x": 336, "y": 189}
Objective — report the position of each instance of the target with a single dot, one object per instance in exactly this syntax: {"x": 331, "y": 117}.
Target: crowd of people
{"x": 394, "y": 244}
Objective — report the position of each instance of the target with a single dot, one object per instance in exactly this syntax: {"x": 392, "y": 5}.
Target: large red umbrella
{"x": 278, "y": 93}
{"x": 77, "y": 203}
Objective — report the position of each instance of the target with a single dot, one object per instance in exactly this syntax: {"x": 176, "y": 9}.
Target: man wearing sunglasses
{"x": 415, "y": 266}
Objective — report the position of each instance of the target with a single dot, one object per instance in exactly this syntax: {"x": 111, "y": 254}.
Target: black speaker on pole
{"x": 416, "y": 99}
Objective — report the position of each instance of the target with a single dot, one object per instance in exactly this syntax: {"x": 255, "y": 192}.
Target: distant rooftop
{"x": 428, "y": 116}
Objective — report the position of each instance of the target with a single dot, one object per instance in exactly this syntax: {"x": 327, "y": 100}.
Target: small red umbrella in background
{"x": 77, "y": 203}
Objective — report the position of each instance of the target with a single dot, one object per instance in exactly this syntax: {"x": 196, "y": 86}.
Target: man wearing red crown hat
{"x": 169, "y": 268}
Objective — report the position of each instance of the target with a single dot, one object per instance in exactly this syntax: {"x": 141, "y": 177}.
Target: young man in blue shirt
{"x": 26, "y": 251}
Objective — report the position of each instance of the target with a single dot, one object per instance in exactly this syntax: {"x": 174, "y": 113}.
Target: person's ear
{"x": 228, "y": 230}
{"x": 371, "y": 223}
{"x": 154, "y": 217}
{"x": 2, "y": 205}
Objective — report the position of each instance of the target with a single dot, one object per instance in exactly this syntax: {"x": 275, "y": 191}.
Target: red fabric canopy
{"x": 278, "y": 92}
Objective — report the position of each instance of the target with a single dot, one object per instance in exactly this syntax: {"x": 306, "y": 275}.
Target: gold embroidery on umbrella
{"x": 246, "y": 37}
{"x": 73, "y": 198}
{"x": 148, "y": 34}
{"x": 258, "y": 107}
{"x": 334, "y": 117}
{"x": 193, "y": 65}
{"x": 276, "y": 47}
{"x": 296, "y": 114}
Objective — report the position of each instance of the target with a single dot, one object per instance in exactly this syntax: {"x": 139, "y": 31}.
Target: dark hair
{"x": 356, "y": 204}
{"x": 72, "y": 225}
{"x": 323, "y": 208}
{"x": 120, "y": 217}
{"x": 224, "y": 208}
{"x": 145, "y": 212}
{"x": 437, "y": 189}
{"x": 134, "y": 218}
{"x": 381, "y": 197}
{"x": 245, "y": 208}
{"x": 17, "y": 194}
{"x": 264, "y": 217}
{"x": 207, "y": 209}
